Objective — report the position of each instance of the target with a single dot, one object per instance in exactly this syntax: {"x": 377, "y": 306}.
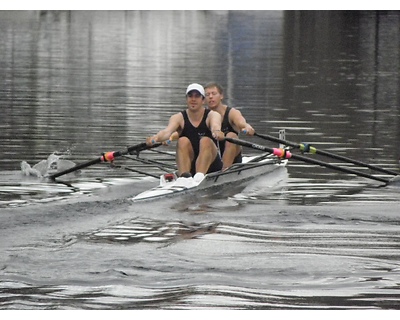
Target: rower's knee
{"x": 231, "y": 151}
{"x": 229, "y": 145}
{"x": 231, "y": 135}
{"x": 184, "y": 148}
{"x": 183, "y": 143}
{"x": 206, "y": 143}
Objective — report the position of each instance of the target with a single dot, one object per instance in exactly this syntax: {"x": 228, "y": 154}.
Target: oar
{"x": 308, "y": 148}
{"x": 282, "y": 153}
{"x": 108, "y": 156}
{"x": 139, "y": 171}
{"x": 163, "y": 166}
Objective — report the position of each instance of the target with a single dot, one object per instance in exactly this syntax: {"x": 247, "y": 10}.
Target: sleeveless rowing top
{"x": 225, "y": 128}
{"x": 226, "y": 125}
{"x": 194, "y": 134}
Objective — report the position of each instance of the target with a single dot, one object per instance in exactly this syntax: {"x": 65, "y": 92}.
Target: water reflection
{"x": 91, "y": 82}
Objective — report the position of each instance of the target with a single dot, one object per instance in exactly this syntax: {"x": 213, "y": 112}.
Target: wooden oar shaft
{"x": 109, "y": 156}
{"x": 306, "y": 159}
{"x": 312, "y": 149}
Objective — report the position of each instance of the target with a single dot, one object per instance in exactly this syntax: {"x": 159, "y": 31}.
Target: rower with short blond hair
{"x": 233, "y": 123}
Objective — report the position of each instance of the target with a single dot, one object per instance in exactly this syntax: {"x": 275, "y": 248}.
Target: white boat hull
{"x": 238, "y": 174}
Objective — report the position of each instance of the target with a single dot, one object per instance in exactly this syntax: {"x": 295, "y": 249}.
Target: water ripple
{"x": 138, "y": 230}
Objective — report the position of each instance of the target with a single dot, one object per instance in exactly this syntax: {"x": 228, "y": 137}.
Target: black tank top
{"x": 194, "y": 134}
{"x": 226, "y": 127}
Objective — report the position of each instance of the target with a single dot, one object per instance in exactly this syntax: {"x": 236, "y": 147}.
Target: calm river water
{"x": 74, "y": 84}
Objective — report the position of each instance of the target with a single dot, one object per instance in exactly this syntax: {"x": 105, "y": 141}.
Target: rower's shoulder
{"x": 213, "y": 113}
{"x": 177, "y": 118}
{"x": 178, "y": 115}
{"x": 234, "y": 112}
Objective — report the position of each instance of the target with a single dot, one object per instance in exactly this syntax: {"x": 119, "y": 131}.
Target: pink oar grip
{"x": 282, "y": 153}
{"x": 108, "y": 156}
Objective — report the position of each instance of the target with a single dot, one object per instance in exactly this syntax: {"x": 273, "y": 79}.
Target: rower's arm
{"x": 174, "y": 136}
{"x": 173, "y": 125}
{"x": 240, "y": 122}
{"x": 214, "y": 123}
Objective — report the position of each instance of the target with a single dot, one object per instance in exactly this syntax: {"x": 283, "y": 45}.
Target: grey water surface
{"x": 75, "y": 84}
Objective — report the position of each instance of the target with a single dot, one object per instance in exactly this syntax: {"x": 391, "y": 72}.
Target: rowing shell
{"x": 238, "y": 174}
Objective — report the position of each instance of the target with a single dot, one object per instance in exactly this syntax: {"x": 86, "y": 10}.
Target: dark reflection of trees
{"x": 343, "y": 67}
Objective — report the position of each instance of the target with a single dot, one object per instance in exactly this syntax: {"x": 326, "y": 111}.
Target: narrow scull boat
{"x": 238, "y": 174}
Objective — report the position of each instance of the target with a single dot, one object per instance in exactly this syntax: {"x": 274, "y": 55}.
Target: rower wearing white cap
{"x": 198, "y": 131}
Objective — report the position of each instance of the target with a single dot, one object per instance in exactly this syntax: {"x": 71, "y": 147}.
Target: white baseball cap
{"x": 197, "y": 87}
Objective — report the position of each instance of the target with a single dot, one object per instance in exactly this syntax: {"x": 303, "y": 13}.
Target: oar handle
{"x": 281, "y": 153}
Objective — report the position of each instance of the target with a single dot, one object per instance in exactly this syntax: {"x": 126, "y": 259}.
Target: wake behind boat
{"x": 237, "y": 174}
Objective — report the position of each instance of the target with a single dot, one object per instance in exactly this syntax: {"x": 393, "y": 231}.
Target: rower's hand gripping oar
{"x": 282, "y": 153}
{"x": 304, "y": 147}
{"x": 106, "y": 157}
